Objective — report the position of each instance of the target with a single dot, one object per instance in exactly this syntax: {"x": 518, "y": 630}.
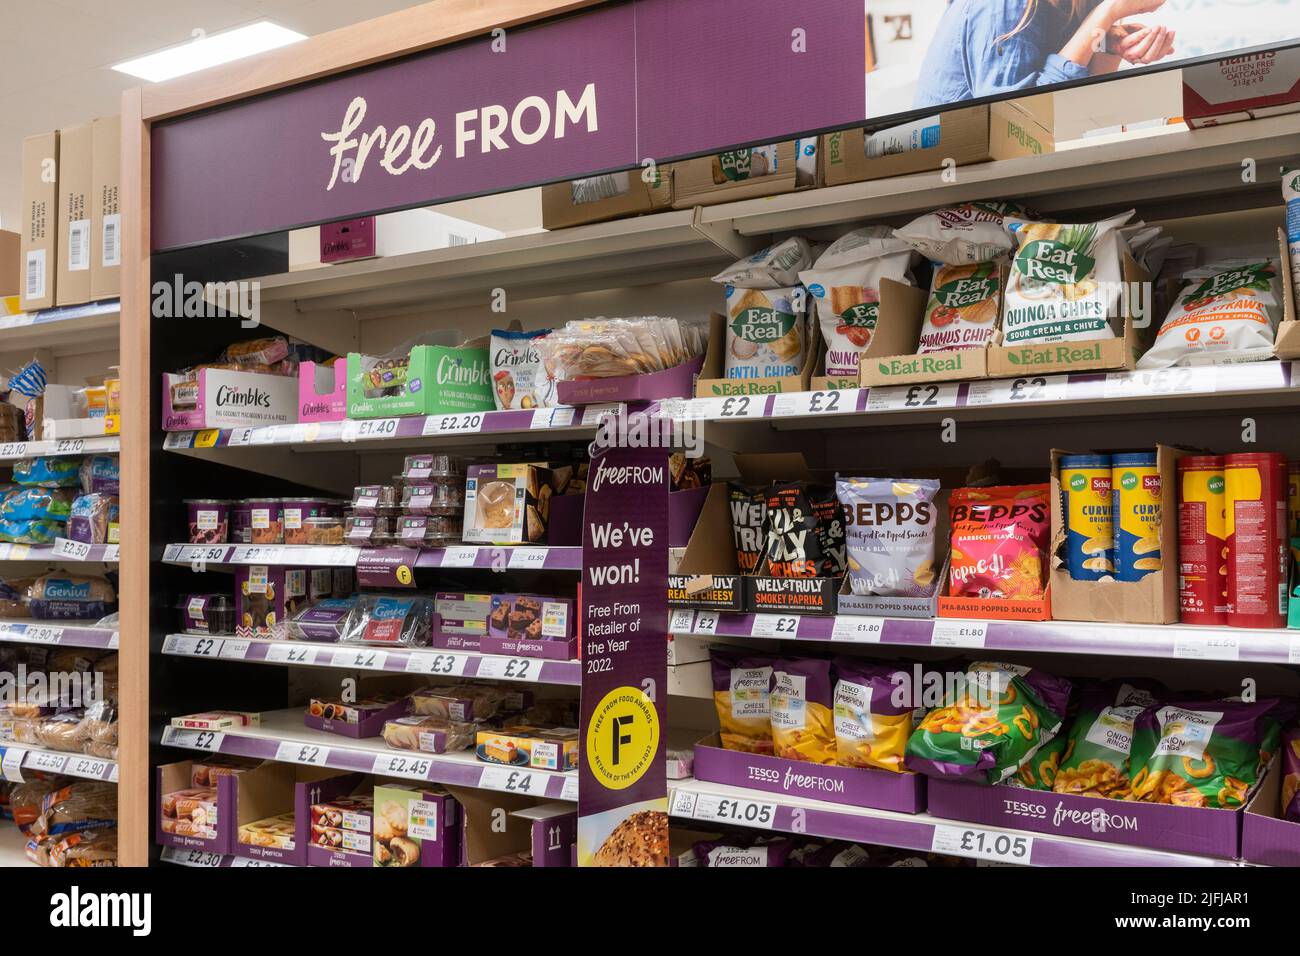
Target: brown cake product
{"x": 641, "y": 841}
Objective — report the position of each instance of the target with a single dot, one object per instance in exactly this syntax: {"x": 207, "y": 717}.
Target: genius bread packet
{"x": 890, "y": 534}
{"x": 845, "y": 285}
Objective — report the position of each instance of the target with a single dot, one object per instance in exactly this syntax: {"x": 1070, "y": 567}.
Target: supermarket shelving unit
{"x": 1190, "y": 181}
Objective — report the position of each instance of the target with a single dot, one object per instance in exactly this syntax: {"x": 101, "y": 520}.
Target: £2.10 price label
{"x": 981, "y": 844}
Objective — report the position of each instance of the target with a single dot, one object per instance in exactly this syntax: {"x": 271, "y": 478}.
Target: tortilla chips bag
{"x": 890, "y": 532}
{"x": 803, "y": 724}
{"x": 742, "y": 695}
{"x": 999, "y": 541}
{"x": 872, "y": 724}
{"x": 991, "y": 724}
{"x": 1200, "y": 753}
{"x": 1096, "y": 759}
{"x": 1291, "y": 775}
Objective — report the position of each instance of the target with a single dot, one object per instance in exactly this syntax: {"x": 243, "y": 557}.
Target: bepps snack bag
{"x": 742, "y": 693}
{"x": 793, "y": 547}
{"x": 1228, "y": 311}
{"x": 1064, "y": 284}
{"x": 962, "y": 311}
{"x": 803, "y": 724}
{"x": 991, "y": 724}
{"x": 1096, "y": 757}
{"x": 890, "y": 528}
{"x": 872, "y": 721}
{"x": 845, "y": 285}
{"x": 956, "y": 235}
{"x": 1291, "y": 775}
{"x": 1200, "y": 753}
{"x": 766, "y": 309}
{"x": 748, "y": 515}
{"x": 999, "y": 541}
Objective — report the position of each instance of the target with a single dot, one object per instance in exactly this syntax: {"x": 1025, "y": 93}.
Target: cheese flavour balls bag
{"x": 957, "y": 235}
{"x": 748, "y": 514}
{"x": 803, "y": 724}
{"x": 962, "y": 311}
{"x": 1064, "y": 284}
{"x": 890, "y": 527}
{"x": 845, "y": 285}
{"x": 1228, "y": 311}
{"x": 872, "y": 720}
{"x": 1096, "y": 759}
{"x": 1200, "y": 753}
{"x": 742, "y": 695}
{"x": 991, "y": 724}
{"x": 1291, "y": 775}
{"x": 999, "y": 541}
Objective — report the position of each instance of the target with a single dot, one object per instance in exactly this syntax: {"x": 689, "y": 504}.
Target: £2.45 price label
{"x": 981, "y": 844}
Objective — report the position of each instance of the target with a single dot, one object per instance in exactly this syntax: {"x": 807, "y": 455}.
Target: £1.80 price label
{"x": 749, "y": 813}
{"x": 981, "y": 844}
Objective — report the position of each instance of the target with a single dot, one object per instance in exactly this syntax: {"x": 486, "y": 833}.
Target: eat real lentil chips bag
{"x": 991, "y": 724}
{"x": 742, "y": 695}
{"x": 803, "y": 724}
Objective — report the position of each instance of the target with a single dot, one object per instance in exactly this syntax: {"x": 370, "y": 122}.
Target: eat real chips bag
{"x": 890, "y": 528}
{"x": 962, "y": 311}
{"x": 872, "y": 722}
{"x": 999, "y": 541}
{"x": 803, "y": 724}
{"x": 991, "y": 724}
{"x": 1096, "y": 758}
{"x": 1228, "y": 311}
{"x": 957, "y": 235}
{"x": 1200, "y": 753}
{"x": 742, "y": 695}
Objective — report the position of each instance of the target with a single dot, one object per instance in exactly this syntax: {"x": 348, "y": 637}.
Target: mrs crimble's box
{"x": 1157, "y": 826}
{"x": 848, "y": 786}
{"x": 427, "y": 380}
{"x": 1244, "y": 87}
{"x": 219, "y": 398}
{"x": 322, "y": 391}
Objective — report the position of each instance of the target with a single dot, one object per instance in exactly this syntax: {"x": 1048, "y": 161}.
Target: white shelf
{"x": 13, "y": 846}
{"x": 97, "y": 445}
{"x": 56, "y": 761}
{"x": 282, "y": 736}
{"x": 62, "y": 551}
{"x": 909, "y": 831}
{"x": 58, "y": 633}
{"x": 70, "y": 330}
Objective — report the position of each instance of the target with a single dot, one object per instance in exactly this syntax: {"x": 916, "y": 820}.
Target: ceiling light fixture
{"x": 210, "y": 51}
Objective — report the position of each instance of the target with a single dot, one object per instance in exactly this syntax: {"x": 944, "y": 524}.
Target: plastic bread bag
{"x": 99, "y": 474}
{"x": 1201, "y": 753}
{"x": 793, "y": 547}
{"x": 85, "y": 849}
{"x": 991, "y": 724}
{"x": 962, "y": 311}
{"x": 63, "y": 732}
{"x": 845, "y": 286}
{"x": 90, "y": 518}
{"x": 872, "y": 720}
{"x": 84, "y": 805}
{"x": 26, "y": 799}
{"x": 1095, "y": 762}
{"x": 48, "y": 472}
{"x": 38, "y": 504}
{"x": 742, "y": 684}
{"x": 778, "y": 266}
{"x": 1064, "y": 284}
{"x": 766, "y": 336}
{"x": 891, "y": 531}
{"x": 256, "y": 352}
{"x": 803, "y": 718}
{"x": 67, "y": 596}
{"x": 999, "y": 541}
{"x": 13, "y": 593}
{"x": 322, "y": 621}
{"x": 1291, "y": 775}
{"x": 519, "y": 377}
{"x": 1225, "y": 312}
{"x": 428, "y": 734}
{"x": 389, "y": 619}
{"x": 958, "y": 235}
{"x": 30, "y": 532}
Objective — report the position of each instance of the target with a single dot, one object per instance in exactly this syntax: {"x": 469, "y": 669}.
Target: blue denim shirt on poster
{"x": 963, "y": 61}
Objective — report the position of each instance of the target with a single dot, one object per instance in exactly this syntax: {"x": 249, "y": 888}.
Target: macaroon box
{"x": 322, "y": 392}
{"x": 218, "y": 398}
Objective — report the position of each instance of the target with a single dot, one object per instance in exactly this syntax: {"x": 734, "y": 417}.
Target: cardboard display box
{"x": 1120, "y": 352}
{"x": 675, "y": 382}
{"x": 1266, "y": 838}
{"x": 972, "y": 134}
{"x": 322, "y": 392}
{"x": 11, "y": 258}
{"x": 1286, "y": 344}
{"x": 174, "y": 777}
{"x": 1151, "y": 600}
{"x": 416, "y": 826}
{"x": 747, "y": 173}
{"x": 548, "y": 831}
{"x": 105, "y": 208}
{"x": 392, "y": 234}
{"x": 713, "y": 380}
{"x": 40, "y": 221}
{"x": 1248, "y": 86}
{"x": 224, "y": 399}
{"x": 275, "y": 789}
{"x": 76, "y": 244}
{"x": 611, "y": 196}
{"x": 439, "y": 379}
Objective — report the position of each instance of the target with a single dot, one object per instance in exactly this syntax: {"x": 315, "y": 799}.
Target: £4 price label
{"x": 982, "y": 844}
{"x": 525, "y": 782}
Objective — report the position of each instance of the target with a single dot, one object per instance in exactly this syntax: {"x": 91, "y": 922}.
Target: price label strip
{"x": 833, "y": 402}
{"x": 526, "y": 558}
{"x": 46, "y": 761}
{"x": 400, "y": 765}
{"x": 310, "y": 755}
{"x": 958, "y": 633}
{"x": 858, "y": 630}
{"x": 774, "y": 625}
{"x": 208, "y": 740}
{"x": 510, "y": 668}
{"x": 290, "y": 654}
{"x": 530, "y": 783}
{"x": 462, "y": 424}
{"x": 364, "y": 659}
{"x": 1019, "y": 391}
{"x": 980, "y": 844}
{"x": 738, "y": 810}
{"x": 1210, "y": 646}
{"x": 681, "y": 622}
{"x": 906, "y": 398}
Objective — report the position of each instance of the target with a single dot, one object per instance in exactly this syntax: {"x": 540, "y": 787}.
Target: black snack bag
{"x": 748, "y": 520}
{"x": 830, "y": 529}
{"x": 794, "y": 542}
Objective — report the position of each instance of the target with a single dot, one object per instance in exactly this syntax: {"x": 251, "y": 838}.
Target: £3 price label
{"x": 749, "y": 813}
{"x": 444, "y": 665}
{"x": 982, "y": 844}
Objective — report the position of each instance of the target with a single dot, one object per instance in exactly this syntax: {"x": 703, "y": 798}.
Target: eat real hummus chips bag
{"x": 962, "y": 311}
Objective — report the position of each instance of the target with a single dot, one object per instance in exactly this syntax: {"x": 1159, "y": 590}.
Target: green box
{"x": 438, "y": 379}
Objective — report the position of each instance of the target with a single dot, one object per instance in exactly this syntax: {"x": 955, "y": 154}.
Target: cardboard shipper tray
{"x": 1286, "y": 344}
{"x": 174, "y": 777}
{"x": 1151, "y": 600}
{"x": 891, "y": 358}
{"x": 847, "y": 786}
{"x": 713, "y": 380}
{"x": 611, "y": 196}
{"x": 1266, "y": 838}
{"x": 274, "y": 789}
{"x": 728, "y": 177}
{"x": 547, "y": 830}
{"x": 709, "y": 576}
{"x": 992, "y": 609}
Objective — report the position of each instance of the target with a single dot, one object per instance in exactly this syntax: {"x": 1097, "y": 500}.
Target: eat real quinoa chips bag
{"x": 999, "y": 541}
{"x": 993, "y": 723}
{"x": 742, "y": 686}
{"x": 803, "y": 725}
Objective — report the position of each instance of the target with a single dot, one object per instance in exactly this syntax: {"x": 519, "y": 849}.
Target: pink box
{"x": 219, "y": 398}
{"x": 173, "y": 777}
{"x": 322, "y": 392}
{"x": 347, "y": 239}
{"x": 678, "y": 382}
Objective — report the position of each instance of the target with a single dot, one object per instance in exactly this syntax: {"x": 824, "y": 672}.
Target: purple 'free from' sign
{"x": 596, "y": 91}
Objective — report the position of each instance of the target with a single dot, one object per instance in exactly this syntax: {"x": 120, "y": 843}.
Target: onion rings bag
{"x": 1096, "y": 759}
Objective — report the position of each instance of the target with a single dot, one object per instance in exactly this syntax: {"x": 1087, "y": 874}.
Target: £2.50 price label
{"x": 982, "y": 844}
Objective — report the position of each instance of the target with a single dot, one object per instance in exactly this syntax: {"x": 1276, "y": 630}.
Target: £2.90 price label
{"x": 981, "y": 844}
{"x": 749, "y": 813}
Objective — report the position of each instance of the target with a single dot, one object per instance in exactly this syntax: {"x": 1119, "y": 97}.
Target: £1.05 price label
{"x": 749, "y": 813}
{"x": 981, "y": 844}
